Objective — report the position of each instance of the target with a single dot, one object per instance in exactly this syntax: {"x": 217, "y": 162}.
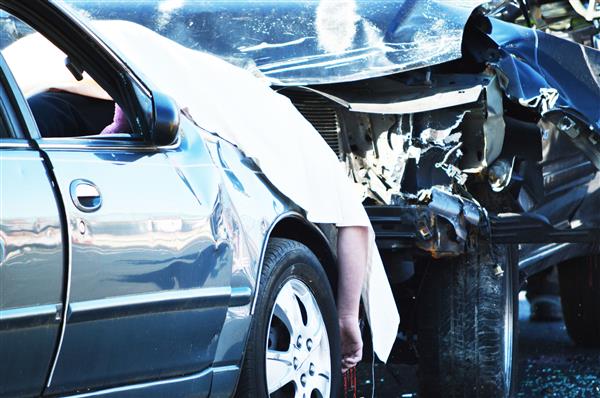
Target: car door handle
{"x": 85, "y": 195}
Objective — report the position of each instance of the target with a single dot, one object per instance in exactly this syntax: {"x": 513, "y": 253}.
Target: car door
{"x": 149, "y": 281}
{"x": 148, "y": 276}
{"x": 31, "y": 258}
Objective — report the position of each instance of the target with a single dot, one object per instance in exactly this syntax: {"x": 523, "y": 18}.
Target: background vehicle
{"x": 470, "y": 136}
{"x": 152, "y": 263}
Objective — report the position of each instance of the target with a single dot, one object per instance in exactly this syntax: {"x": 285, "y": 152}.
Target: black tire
{"x": 579, "y": 280}
{"x": 465, "y": 311}
{"x": 287, "y": 260}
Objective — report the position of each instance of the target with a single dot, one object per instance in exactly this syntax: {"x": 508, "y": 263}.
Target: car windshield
{"x": 304, "y": 41}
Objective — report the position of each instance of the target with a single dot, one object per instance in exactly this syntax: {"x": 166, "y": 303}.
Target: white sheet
{"x": 243, "y": 109}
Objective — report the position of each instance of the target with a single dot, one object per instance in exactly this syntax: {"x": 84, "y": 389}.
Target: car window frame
{"x": 122, "y": 84}
{"x": 21, "y": 125}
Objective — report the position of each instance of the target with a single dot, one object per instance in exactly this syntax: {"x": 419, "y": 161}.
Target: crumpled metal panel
{"x": 304, "y": 42}
{"x": 548, "y": 73}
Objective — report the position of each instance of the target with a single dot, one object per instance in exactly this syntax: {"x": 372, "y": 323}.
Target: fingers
{"x": 355, "y": 356}
{"x": 351, "y": 343}
{"x": 347, "y": 366}
{"x": 350, "y": 360}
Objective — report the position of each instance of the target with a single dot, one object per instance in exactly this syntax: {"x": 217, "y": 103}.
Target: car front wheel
{"x": 293, "y": 347}
{"x": 467, "y": 326}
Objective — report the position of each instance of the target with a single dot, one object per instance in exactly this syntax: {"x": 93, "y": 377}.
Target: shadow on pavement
{"x": 550, "y": 365}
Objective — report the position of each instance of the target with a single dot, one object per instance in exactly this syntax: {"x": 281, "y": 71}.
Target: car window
{"x": 64, "y": 100}
{"x": 4, "y": 131}
{"x": 12, "y": 125}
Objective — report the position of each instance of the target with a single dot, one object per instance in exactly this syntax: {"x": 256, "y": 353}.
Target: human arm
{"x": 352, "y": 248}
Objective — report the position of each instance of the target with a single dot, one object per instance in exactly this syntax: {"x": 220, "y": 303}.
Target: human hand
{"x": 351, "y": 342}
{"x": 119, "y": 124}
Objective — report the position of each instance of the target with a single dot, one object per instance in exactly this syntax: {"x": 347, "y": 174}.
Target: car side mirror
{"x": 165, "y": 119}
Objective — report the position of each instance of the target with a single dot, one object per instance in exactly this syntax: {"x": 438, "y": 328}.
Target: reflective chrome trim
{"x": 65, "y": 308}
{"x": 174, "y": 145}
{"x": 14, "y": 144}
{"x": 17, "y": 318}
{"x": 80, "y": 189}
{"x": 70, "y": 146}
{"x": 542, "y": 253}
{"x": 174, "y": 300}
{"x": 116, "y": 391}
{"x": 240, "y": 296}
{"x": 509, "y": 325}
{"x": 425, "y": 104}
{"x": 100, "y": 145}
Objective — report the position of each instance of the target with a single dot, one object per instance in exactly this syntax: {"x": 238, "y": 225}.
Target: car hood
{"x": 306, "y": 42}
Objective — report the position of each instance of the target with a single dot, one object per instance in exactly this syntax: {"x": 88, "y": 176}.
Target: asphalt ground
{"x": 550, "y": 365}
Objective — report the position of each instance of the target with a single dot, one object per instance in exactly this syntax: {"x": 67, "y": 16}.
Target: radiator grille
{"x": 320, "y": 112}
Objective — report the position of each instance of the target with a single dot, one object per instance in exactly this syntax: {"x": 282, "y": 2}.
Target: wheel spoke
{"x": 321, "y": 383}
{"x": 315, "y": 335}
{"x": 315, "y": 324}
{"x": 280, "y": 369}
{"x": 288, "y": 310}
{"x": 309, "y": 303}
{"x": 307, "y": 360}
{"x": 318, "y": 381}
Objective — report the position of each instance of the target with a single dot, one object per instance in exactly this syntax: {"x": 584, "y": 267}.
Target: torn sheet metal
{"x": 486, "y": 130}
{"x": 441, "y": 96}
{"x": 558, "y": 78}
{"x": 304, "y": 42}
{"x": 547, "y": 73}
{"x": 427, "y": 145}
{"x": 391, "y": 155}
{"x": 378, "y": 163}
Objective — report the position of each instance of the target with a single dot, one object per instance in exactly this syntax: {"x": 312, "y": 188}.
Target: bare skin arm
{"x": 352, "y": 248}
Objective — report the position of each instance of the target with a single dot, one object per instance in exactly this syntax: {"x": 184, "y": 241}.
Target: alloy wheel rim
{"x": 298, "y": 358}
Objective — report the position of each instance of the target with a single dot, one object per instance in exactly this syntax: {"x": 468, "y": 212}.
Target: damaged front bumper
{"x": 438, "y": 224}
{"x": 441, "y": 224}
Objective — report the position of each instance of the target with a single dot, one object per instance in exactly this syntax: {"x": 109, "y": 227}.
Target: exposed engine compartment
{"x": 415, "y": 164}
{"x": 456, "y": 130}
{"x": 451, "y": 148}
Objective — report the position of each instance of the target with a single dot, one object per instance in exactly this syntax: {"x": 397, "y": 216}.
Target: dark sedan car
{"x": 472, "y": 135}
{"x": 151, "y": 263}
